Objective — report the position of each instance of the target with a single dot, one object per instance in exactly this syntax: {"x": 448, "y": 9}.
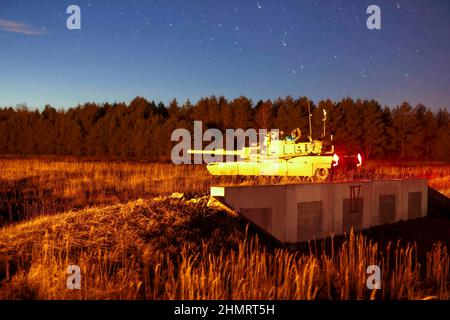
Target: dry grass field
{"x": 31, "y": 187}
{"x": 132, "y": 241}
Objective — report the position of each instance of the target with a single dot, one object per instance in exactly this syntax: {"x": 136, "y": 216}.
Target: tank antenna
{"x": 310, "y": 126}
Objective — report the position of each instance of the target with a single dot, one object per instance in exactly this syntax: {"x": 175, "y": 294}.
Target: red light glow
{"x": 335, "y": 160}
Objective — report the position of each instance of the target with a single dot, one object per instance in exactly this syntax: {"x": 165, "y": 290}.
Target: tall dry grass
{"x": 175, "y": 249}
{"x": 164, "y": 248}
{"x": 31, "y": 187}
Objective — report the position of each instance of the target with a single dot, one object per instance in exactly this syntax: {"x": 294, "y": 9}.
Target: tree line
{"x": 142, "y": 129}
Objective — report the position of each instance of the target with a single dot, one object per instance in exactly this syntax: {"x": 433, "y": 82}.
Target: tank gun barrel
{"x": 218, "y": 152}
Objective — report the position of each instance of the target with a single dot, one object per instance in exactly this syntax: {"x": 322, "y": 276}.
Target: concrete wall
{"x": 300, "y": 212}
{"x": 408, "y": 210}
{"x": 300, "y": 197}
{"x": 343, "y": 192}
{"x": 248, "y": 199}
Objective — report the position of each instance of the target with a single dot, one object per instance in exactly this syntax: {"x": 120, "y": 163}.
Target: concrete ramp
{"x": 438, "y": 204}
{"x": 294, "y": 213}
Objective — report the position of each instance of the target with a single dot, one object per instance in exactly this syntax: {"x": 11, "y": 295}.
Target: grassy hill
{"x": 167, "y": 248}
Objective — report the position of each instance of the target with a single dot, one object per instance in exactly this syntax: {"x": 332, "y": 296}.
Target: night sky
{"x": 188, "y": 49}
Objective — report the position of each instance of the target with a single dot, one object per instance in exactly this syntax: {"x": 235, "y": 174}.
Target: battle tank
{"x": 276, "y": 158}
{"x": 279, "y": 157}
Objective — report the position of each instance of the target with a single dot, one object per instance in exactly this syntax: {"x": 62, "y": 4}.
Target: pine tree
{"x": 441, "y": 150}
{"x": 403, "y": 129}
{"x": 373, "y": 130}
{"x": 242, "y": 112}
{"x": 264, "y": 115}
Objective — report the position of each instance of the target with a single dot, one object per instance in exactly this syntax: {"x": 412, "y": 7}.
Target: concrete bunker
{"x": 294, "y": 213}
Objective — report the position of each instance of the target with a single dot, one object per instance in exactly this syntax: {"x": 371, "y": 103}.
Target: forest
{"x": 141, "y": 130}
